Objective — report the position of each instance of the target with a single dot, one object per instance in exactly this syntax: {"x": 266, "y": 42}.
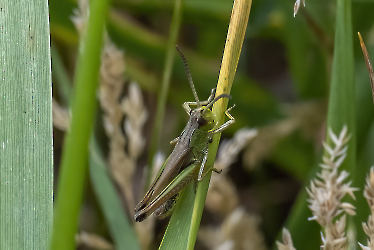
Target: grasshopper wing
{"x": 175, "y": 186}
{"x": 170, "y": 169}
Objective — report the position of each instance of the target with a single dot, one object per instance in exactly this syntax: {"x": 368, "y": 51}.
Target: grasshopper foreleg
{"x": 226, "y": 124}
{"x": 217, "y": 171}
{"x": 222, "y": 127}
{"x": 187, "y": 107}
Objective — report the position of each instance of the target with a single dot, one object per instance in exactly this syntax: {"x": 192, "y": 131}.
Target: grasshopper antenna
{"x": 216, "y": 99}
{"x": 187, "y": 69}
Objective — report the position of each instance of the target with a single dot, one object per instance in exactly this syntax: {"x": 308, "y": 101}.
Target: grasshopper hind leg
{"x": 202, "y": 171}
{"x": 161, "y": 202}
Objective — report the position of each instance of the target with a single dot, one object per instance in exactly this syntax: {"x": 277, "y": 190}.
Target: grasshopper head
{"x": 205, "y": 117}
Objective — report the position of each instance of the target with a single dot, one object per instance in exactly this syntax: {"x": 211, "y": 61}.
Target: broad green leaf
{"x": 26, "y": 143}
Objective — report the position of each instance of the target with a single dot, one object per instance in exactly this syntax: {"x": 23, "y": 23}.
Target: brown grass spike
{"x": 368, "y": 64}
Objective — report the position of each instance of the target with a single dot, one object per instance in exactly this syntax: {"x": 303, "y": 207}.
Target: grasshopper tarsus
{"x": 217, "y": 171}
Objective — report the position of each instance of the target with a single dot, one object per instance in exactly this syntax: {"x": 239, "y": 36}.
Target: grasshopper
{"x": 187, "y": 161}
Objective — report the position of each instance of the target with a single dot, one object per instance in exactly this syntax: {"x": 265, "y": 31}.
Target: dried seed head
{"x": 222, "y": 196}
{"x": 287, "y": 241}
{"x": 61, "y": 117}
{"x": 80, "y": 18}
{"x": 238, "y": 231}
{"x": 369, "y": 225}
{"x": 92, "y": 241}
{"x": 326, "y": 192}
{"x": 229, "y": 149}
{"x": 369, "y": 190}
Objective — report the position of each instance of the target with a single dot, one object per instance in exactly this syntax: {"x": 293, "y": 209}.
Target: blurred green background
{"x": 281, "y": 88}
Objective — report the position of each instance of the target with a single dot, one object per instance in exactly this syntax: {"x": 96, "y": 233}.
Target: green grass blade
{"x": 168, "y": 69}
{"x": 188, "y": 216}
{"x": 341, "y": 107}
{"x": 365, "y": 159}
{"x": 364, "y": 103}
{"x": 26, "y": 157}
{"x": 340, "y": 112}
{"x": 75, "y": 154}
{"x": 176, "y": 236}
{"x": 231, "y": 54}
{"x": 364, "y": 107}
{"x": 297, "y": 222}
{"x": 60, "y": 76}
{"x": 342, "y": 89}
{"x": 120, "y": 228}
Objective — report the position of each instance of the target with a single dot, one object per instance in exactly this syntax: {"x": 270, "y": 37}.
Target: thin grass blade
{"x": 119, "y": 225}
{"x": 75, "y": 154}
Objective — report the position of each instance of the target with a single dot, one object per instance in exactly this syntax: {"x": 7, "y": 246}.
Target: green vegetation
{"x": 296, "y": 77}
{"x": 26, "y": 159}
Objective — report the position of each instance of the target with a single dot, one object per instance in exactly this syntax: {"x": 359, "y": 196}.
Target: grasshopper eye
{"x": 202, "y": 121}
